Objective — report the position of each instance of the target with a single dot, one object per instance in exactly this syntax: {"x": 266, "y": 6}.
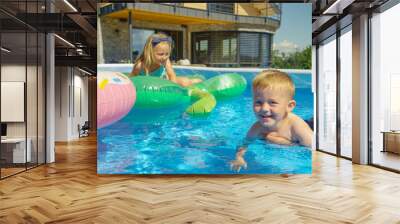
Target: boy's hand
{"x": 237, "y": 164}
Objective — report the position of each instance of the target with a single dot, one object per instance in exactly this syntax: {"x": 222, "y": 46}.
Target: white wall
{"x": 33, "y": 126}
{"x": 80, "y": 112}
{"x": 14, "y": 72}
{"x": 62, "y": 81}
{"x": 71, "y": 94}
{"x": 13, "y": 101}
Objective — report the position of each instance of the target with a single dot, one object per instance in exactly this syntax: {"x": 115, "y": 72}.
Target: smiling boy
{"x": 273, "y": 103}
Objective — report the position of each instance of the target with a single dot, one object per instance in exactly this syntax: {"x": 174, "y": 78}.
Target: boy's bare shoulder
{"x": 300, "y": 130}
{"x": 295, "y": 119}
{"x": 297, "y": 123}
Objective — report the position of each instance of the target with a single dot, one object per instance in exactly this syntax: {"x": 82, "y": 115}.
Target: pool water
{"x": 171, "y": 142}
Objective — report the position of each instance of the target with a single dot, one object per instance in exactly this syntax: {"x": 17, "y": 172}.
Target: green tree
{"x": 296, "y": 60}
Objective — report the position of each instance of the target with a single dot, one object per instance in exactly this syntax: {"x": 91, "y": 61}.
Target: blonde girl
{"x": 154, "y": 60}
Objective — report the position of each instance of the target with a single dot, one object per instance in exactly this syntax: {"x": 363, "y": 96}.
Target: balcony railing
{"x": 278, "y": 7}
{"x": 320, "y": 6}
{"x": 176, "y": 9}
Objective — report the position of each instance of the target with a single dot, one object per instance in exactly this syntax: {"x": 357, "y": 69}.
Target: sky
{"x": 295, "y": 30}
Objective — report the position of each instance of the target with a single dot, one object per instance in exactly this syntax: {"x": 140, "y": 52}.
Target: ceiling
{"x": 330, "y": 15}
{"x": 76, "y": 22}
{"x": 73, "y": 20}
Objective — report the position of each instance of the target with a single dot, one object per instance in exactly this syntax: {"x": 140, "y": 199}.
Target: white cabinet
{"x": 18, "y": 149}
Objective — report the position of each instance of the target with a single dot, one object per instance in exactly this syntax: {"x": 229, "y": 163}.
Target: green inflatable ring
{"x": 195, "y": 76}
{"x": 156, "y": 93}
{"x": 224, "y": 86}
{"x": 204, "y": 102}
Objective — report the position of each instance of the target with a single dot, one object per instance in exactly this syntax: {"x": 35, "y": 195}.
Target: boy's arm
{"x": 136, "y": 69}
{"x": 239, "y": 161}
{"x": 302, "y": 132}
{"x": 170, "y": 71}
{"x": 252, "y": 135}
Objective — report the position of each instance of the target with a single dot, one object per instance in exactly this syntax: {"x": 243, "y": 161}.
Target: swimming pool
{"x": 171, "y": 142}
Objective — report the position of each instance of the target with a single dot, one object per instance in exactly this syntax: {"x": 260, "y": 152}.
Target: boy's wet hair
{"x": 274, "y": 79}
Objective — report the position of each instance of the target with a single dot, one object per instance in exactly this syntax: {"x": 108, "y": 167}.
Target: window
{"x": 231, "y": 49}
{"x": 139, "y": 37}
{"x": 228, "y": 48}
{"x": 346, "y": 92}
{"x": 265, "y": 50}
{"x": 221, "y": 7}
{"x": 200, "y": 53}
{"x": 203, "y": 46}
{"x": 249, "y": 48}
{"x": 327, "y": 95}
{"x": 225, "y": 48}
{"x": 217, "y": 48}
{"x": 385, "y": 87}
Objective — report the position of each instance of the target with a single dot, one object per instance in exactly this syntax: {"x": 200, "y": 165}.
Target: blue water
{"x": 170, "y": 142}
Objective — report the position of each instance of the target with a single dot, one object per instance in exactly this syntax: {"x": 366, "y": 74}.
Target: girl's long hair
{"x": 147, "y": 56}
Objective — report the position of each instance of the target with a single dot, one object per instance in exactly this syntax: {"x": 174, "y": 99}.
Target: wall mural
{"x": 157, "y": 114}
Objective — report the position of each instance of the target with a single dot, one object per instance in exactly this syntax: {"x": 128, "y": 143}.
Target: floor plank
{"x": 70, "y": 191}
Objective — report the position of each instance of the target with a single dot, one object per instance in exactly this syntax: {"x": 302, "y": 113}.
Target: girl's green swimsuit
{"x": 160, "y": 72}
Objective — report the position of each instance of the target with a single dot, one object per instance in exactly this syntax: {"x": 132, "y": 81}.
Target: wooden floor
{"x": 387, "y": 159}
{"x": 10, "y": 171}
{"x": 70, "y": 191}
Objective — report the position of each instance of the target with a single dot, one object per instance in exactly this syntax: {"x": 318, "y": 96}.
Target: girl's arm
{"x": 170, "y": 71}
{"x": 136, "y": 69}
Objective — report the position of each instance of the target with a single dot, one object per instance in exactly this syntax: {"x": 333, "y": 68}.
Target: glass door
{"x": 14, "y": 154}
{"x": 22, "y": 76}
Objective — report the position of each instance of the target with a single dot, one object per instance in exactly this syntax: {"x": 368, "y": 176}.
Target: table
{"x": 17, "y": 148}
{"x": 391, "y": 141}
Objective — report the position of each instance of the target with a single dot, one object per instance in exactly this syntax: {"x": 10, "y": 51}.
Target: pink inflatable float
{"x": 116, "y": 96}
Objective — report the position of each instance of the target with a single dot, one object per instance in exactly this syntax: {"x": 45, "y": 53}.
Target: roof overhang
{"x": 163, "y": 17}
